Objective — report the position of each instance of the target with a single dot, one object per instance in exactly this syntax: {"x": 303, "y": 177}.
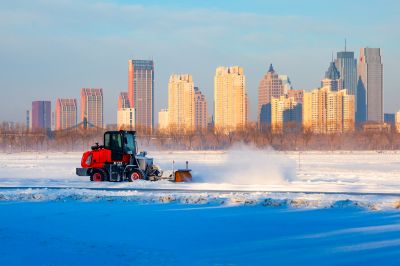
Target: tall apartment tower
{"x": 181, "y": 102}
{"x": 296, "y": 94}
{"x": 141, "y": 91}
{"x": 326, "y": 111}
{"x": 200, "y": 110}
{"x": 230, "y": 99}
{"x": 346, "y": 64}
{"x": 370, "y": 86}
{"x": 66, "y": 113}
{"x": 284, "y": 110}
{"x": 92, "y": 107}
{"x": 41, "y": 115}
{"x": 123, "y": 101}
{"x": 271, "y": 85}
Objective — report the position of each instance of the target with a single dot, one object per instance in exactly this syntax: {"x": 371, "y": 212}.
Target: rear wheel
{"x": 98, "y": 176}
{"x": 135, "y": 174}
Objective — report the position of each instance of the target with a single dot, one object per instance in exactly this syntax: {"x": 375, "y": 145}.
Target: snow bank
{"x": 266, "y": 199}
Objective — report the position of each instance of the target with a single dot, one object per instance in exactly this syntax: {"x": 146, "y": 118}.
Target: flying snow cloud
{"x": 247, "y": 165}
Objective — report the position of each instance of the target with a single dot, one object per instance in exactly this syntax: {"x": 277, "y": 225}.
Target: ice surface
{"x": 130, "y": 233}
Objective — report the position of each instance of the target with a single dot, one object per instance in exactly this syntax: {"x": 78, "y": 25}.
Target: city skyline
{"x": 97, "y": 56}
{"x": 182, "y": 100}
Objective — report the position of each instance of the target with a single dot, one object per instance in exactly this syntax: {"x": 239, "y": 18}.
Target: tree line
{"x": 15, "y": 138}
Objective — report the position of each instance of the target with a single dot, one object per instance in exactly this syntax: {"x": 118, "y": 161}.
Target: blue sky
{"x": 51, "y": 49}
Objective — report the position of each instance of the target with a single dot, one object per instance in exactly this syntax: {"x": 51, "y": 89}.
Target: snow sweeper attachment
{"x": 182, "y": 175}
{"x": 118, "y": 160}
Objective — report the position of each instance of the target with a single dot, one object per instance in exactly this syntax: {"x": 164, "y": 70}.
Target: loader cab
{"x": 120, "y": 143}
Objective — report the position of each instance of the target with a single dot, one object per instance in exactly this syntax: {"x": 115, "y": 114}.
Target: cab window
{"x": 130, "y": 143}
{"x": 113, "y": 141}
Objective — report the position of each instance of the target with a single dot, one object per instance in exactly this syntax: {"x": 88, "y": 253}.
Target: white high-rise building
{"x": 163, "y": 119}
{"x": 126, "y": 119}
{"x": 181, "y": 102}
{"x": 230, "y": 99}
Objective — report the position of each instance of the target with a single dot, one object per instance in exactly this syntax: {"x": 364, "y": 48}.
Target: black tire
{"x": 98, "y": 175}
{"x": 135, "y": 174}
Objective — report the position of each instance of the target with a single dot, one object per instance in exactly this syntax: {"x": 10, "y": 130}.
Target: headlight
{"x": 88, "y": 160}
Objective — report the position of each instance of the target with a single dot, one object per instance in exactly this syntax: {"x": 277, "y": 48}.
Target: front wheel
{"x": 98, "y": 176}
{"x": 135, "y": 174}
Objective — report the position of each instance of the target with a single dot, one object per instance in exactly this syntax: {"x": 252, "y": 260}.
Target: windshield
{"x": 130, "y": 143}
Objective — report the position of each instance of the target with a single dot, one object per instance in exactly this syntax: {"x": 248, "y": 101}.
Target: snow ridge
{"x": 265, "y": 199}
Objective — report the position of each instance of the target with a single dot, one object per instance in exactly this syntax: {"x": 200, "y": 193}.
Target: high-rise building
{"x": 348, "y": 110}
{"x": 66, "y": 113}
{"x": 296, "y": 94}
{"x": 200, "y": 110}
{"x": 141, "y": 91}
{"x": 370, "y": 86}
{"x": 230, "y": 99}
{"x": 126, "y": 119}
{"x": 346, "y": 64}
{"x": 28, "y": 120}
{"x": 332, "y": 78}
{"x": 285, "y": 110}
{"x": 92, "y": 107}
{"x": 181, "y": 102}
{"x": 397, "y": 121}
{"x": 163, "y": 119}
{"x": 123, "y": 101}
{"x": 41, "y": 115}
{"x": 53, "y": 120}
{"x": 286, "y": 83}
{"x": 270, "y": 86}
{"x": 326, "y": 111}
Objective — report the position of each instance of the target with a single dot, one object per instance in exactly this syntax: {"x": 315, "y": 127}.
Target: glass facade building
{"x": 141, "y": 91}
{"x": 370, "y": 86}
{"x": 41, "y": 115}
{"x": 346, "y": 64}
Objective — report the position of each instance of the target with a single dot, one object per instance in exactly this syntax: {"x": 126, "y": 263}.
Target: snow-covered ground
{"x": 241, "y": 169}
{"x": 244, "y": 207}
{"x": 232, "y": 170}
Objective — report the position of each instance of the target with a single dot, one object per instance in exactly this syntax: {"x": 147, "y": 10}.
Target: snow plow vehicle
{"x": 118, "y": 160}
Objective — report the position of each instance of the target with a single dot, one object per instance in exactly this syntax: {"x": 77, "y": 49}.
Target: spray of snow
{"x": 248, "y": 165}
